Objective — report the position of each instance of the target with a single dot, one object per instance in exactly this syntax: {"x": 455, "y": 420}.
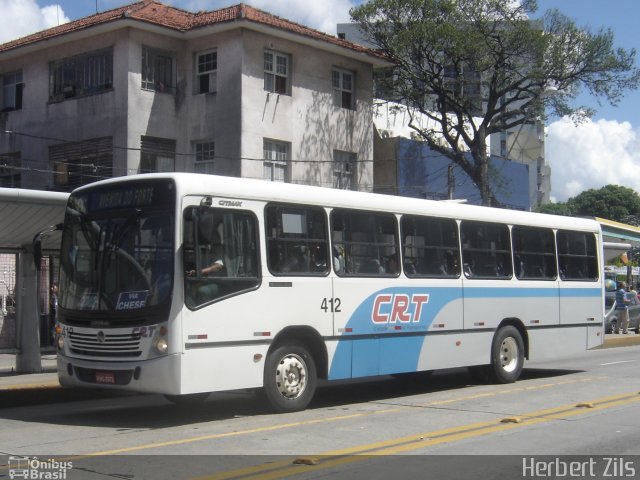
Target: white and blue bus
{"x": 185, "y": 284}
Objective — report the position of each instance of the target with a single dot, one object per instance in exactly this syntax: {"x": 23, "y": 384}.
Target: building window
{"x": 78, "y": 163}
{"x": 464, "y": 87}
{"x": 157, "y": 154}
{"x": 206, "y": 67}
{"x": 275, "y": 161}
{"x": 276, "y": 72}
{"x": 158, "y": 70}
{"x": 205, "y": 153}
{"x": 343, "y": 85}
{"x": 10, "y": 170}
{"x": 344, "y": 167}
{"x": 81, "y": 75}
{"x": 12, "y": 91}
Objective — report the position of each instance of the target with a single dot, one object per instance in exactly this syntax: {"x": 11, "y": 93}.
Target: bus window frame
{"x": 269, "y": 238}
{"x": 258, "y": 259}
{"x": 396, "y": 245}
{"x": 554, "y": 252}
{"x": 467, "y": 269}
{"x": 457, "y": 246}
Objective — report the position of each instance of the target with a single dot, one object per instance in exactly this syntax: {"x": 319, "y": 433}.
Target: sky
{"x": 601, "y": 151}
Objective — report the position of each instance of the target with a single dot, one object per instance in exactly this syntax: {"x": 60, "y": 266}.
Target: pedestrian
{"x": 622, "y": 308}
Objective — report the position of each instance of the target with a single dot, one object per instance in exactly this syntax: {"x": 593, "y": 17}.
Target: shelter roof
{"x": 23, "y": 213}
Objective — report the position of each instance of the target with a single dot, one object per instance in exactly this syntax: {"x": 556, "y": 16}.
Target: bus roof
{"x": 261, "y": 190}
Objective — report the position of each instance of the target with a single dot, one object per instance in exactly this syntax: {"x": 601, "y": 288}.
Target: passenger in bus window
{"x": 338, "y": 260}
{"x": 391, "y": 265}
{"x": 206, "y": 290}
{"x": 318, "y": 258}
{"x": 215, "y": 254}
{"x": 296, "y": 259}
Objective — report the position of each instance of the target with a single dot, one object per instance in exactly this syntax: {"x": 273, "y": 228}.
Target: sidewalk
{"x": 48, "y": 378}
{"x": 10, "y": 380}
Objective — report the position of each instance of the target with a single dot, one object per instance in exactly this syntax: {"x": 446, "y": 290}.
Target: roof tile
{"x": 157, "y": 13}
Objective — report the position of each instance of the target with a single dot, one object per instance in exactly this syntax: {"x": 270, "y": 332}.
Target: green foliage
{"x": 556, "y": 209}
{"x": 612, "y": 202}
{"x": 460, "y": 60}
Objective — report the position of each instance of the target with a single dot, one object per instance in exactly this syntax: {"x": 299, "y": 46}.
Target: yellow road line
{"x": 30, "y": 386}
{"x": 303, "y": 423}
{"x": 334, "y": 458}
{"x": 215, "y": 436}
{"x": 394, "y": 446}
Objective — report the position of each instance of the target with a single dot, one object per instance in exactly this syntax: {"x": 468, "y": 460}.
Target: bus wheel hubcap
{"x": 509, "y": 354}
{"x": 291, "y": 376}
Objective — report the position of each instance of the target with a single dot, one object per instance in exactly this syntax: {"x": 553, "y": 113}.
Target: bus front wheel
{"x": 290, "y": 378}
{"x": 507, "y": 355}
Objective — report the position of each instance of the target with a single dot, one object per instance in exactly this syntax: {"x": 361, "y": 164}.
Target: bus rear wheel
{"x": 507, "y": 355}
{"x": 290, "y": 378}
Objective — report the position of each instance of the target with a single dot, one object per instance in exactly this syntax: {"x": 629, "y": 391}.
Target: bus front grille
{"x": 103, "y": 344}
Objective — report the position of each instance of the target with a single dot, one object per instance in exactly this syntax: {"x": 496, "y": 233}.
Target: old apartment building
{"x": 148, "y": 87}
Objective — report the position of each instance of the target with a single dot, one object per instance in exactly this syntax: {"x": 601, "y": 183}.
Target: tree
{"x": 612, "y": 202}
{"x": 478, "y": 67}
{"x": 559, "y": 208}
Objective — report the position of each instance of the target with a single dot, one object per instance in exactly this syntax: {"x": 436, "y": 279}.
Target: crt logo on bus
{"x": 399, "y": 307}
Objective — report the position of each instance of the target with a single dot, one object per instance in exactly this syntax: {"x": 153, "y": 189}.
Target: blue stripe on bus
{"x": 361, "y": 357}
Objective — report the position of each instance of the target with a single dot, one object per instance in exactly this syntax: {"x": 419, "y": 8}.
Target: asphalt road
{"x": 449, "y": 425}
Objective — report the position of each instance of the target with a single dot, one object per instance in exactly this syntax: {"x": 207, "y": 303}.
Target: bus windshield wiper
{"x": 119, "y": 233}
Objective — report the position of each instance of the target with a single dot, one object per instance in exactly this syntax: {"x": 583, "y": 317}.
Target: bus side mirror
{"x": 37, "y": 242}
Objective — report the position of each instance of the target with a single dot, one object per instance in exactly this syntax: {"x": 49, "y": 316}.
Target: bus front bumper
{"x": 158, "y": 375}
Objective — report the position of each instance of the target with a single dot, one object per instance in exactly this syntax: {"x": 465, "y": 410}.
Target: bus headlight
{"x": 60, "y": 342}
{"x": 161, "y": 345}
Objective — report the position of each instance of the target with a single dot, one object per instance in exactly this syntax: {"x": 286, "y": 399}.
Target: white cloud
{"x": 592, "y": 155}
{"x": 23, "y": 17}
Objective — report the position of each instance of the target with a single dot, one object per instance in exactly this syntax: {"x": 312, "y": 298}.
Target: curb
{"x": 619, "y": 340}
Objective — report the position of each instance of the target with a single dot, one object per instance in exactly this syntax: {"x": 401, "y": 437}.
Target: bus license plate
{"x": 105, "y": 377}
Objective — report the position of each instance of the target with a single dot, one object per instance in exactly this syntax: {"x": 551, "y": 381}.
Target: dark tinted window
{"x": 297, "y": 240}
{"x": 364, "y": 243}
{"x": 577, "y": 256}
{"x": 220, "y": 254}
{"x": 430, "y": 247}
{"x": 486, "y": 250}
{"x": 534, "y": 253}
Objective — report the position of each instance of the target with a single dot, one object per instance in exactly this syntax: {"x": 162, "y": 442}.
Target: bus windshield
{"x": 117, "y": 247}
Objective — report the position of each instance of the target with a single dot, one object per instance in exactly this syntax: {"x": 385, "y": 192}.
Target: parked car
{"x": 611, "y": 316}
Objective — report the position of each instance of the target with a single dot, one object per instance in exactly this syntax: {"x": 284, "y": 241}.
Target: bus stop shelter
{"x": 24, "y": 213}
{"x": 619, "y": 238}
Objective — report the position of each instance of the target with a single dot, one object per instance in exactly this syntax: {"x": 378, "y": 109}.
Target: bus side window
{"x": 430, "y": 247}
{"x": 219, "y": 253}
{"x": 534, "y": 255}
{"x": 297, "y": 240}
{"x": 364, "y": 243}
{"x": 486, "y": 250}
{"x": 577, "y": 256}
